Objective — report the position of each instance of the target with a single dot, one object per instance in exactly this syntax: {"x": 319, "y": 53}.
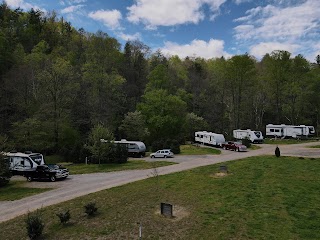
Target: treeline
{"x": 59, "y": 86}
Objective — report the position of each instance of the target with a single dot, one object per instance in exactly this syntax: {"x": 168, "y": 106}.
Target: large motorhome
{"x": 19, "y": 162}
{"x": 135, "y": 148}
{"x": 287, "y": 131}
{"x": 253, "y": 136}
{"x": 209, "y": 138}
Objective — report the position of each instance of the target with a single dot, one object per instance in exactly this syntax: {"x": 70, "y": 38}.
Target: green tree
{"x": 134, "y": 126}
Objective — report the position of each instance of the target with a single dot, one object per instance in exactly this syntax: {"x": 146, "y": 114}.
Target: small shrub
{"x": 277, "y": 152}
{"x": 34, "y": 225}
{"x": 64, "y": 216}
{"x": 90, "y": 208}
{"x": 246, "y": 142}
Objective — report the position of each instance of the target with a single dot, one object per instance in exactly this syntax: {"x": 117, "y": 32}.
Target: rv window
{"x": 22, "y": 162}
{"x": 276, "y": 130}
{"x": 271, "y": 130}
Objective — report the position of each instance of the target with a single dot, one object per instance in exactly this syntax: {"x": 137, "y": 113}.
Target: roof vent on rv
{"x": 13, "y": 151}
{"x": 28, "y": 152}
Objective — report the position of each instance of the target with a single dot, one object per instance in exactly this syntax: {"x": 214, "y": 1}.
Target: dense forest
{"x": 58, "y": 84}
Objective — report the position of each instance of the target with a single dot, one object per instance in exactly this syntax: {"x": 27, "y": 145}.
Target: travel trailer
{"x": 287, "y": 131}
{"x": 253, "y": 136}
{"x": 19, "y": 162}
{"x": 209, "y": 138}
{"x": 135, "y": 148}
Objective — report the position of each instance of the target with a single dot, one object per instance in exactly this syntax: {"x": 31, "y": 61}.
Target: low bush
{"x": 64, "y": 216}
{"x": 90, "y": 208}
{"x": 34, "y": 225}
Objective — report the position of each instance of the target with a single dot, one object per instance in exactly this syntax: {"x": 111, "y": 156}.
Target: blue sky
{"x": 201, "y": 28}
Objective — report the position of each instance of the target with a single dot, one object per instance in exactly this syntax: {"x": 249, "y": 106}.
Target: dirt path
{"x": 79, "y": 185}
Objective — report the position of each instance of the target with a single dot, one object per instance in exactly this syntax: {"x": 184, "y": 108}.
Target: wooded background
{"x": 57, "y": 84}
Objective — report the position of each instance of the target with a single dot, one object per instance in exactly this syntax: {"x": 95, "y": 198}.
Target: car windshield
{"x": 37, "y": 158}
{"x": 53, "y": 166}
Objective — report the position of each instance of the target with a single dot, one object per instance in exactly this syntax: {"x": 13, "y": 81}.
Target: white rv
{"x": 253, "y": 136}
{"x": 19, "y": 162}
{"x": 209, "y": 138}
{"x": 294, "y": 131}
{"x": 135, "y": 148}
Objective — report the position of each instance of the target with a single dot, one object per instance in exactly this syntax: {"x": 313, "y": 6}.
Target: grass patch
{"x": 15, "y": 191}
{"x": 254, "y": 147}
{"x": 316, "y": 146}
{"x": 130, "y": 165}
{"x": 260, "y": 198}
{"x": 195, "y": 150}
{"x": 286, "y": 141}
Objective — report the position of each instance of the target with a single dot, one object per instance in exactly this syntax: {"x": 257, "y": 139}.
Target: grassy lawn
{"x": 286, "y": 141}
{"x": 254, "y": 147}
{"x": 316, "y": 146}
{"x": 260, "y": 198}
{"x": 15, "y": 191}
{"x": 194, "y": 150}
{"x": 130, "y": 165}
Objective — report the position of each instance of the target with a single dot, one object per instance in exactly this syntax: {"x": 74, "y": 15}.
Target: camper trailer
{"x": 135, "y": 148}
{"x": 209, "y": 138}
{"x": 289, "y": 131}
{"x": 19, "y": 162}
{"x": 253, "y": 136}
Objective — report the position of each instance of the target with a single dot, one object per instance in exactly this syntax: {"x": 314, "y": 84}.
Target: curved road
{"x": 79, "y": 185}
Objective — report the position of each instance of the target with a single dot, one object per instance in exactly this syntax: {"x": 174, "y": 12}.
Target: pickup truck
{"x": 235, "y": 146}
{"x": 51, "y": 172}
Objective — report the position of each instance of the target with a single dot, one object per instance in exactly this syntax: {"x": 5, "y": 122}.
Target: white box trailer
{"x": 209, "y": 138}
{"x": 293, "y": 131}
{"x": 135, "y": 148}
{"x": 19, "y": 162}
{"x": 253, "y": 136}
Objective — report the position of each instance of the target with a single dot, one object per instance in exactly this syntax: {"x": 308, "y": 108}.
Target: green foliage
{"x": 120, "y": 153}
{"x": 90, "y": 208}
{"x": 64, "y": 216}
{"x": 134, "y": 126}
{"x": 5, "y": 173}
{"x": 246, "y": 142}
{"x": 35, "y": 225}
{"x": 174, "y": 145}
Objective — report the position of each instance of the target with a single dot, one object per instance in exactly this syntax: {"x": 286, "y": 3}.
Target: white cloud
{"x": 129, "y": 37}
{"x": 241, "y": 1}
{"x": 280, "y": 26}
{"x": 261, "y": 49}
{"x": 71, "y": 9}
{"x": 110, "y": 18}
{"x": 76, "y": 1}
{"x": 170, "y": 12}
{"x": 22, "y": 4}
{"x": 198, "y": 48}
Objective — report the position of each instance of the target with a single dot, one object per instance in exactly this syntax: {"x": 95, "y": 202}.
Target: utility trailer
{"x": 253, "y": 136}
{"x": 209, "y": 138}
{"x": 289, "y": 131}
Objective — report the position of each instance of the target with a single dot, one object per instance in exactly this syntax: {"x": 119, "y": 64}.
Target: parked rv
{"x": 19, "y": 162}
{"x": 287, "y": 131}
{"x": 209, "y": 138}
{"x": 253, "y": 136}
{"x": 135, "y": 148}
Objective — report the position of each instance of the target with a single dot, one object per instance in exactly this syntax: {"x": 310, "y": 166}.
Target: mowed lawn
{"x": 260, "y": 198}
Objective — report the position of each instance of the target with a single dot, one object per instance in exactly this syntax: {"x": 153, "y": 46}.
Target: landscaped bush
{"x": 64, "y": 216}
{"x": 246, "y": 142}
{"x": 90, "y": 208}
{"x": 34, "y": 225}
{"x": 5, "y": 173}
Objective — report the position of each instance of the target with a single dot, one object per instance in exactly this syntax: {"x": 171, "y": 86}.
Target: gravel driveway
{"x": 83, "y": 184}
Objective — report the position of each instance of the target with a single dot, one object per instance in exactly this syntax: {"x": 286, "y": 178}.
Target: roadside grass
{"x": 316, "y": 146}
{"x": 254, "y": 147}
{"x": 195, "y": 150}
{"x": 260, "y": 198}
{"x": 130, "y": 165}
{"x": 15, "y": 190}
{"x": 286, "y": 141}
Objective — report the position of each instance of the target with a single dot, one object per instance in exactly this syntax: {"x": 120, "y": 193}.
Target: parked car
{"x": 235, "y": 146}
{"x": 164, "y": 153}
{"x": 45, "y": 172}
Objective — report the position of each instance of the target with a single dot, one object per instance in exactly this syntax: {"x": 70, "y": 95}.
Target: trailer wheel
{"x": 52, "y": 178}
{"x": 29, "y": 179}
{"x": 238, "y": 149}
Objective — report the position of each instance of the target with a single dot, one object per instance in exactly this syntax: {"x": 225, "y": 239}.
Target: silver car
{"x": 164, "y": 153}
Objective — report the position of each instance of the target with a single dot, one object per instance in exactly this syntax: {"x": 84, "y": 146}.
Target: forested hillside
{"x": 58, "y": 83}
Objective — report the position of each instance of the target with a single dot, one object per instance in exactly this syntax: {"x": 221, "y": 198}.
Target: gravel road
{"x": 83, "y": 184}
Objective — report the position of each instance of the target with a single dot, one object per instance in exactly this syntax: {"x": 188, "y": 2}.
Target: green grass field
{"x": 15, "y": 190}
{"x": 194, "y": 150}
{"x": 261, "y": 198}
{"x": 317, "y": 146}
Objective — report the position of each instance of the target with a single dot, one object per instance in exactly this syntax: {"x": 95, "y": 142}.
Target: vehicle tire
{"x": 152, "y": 156}
{"x": 165, "y": 156}
{"x": 29, "y": 179}
{"x": 52, "y": 178}
{"x": 224, "y": 147}
{"x": 238, "y": 150}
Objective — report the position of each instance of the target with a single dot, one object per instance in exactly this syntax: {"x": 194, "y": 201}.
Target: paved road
{"x": 83, "y": 184}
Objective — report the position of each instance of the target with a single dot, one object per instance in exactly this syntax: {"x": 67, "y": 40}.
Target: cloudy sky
{"x": 205, "y": 28}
